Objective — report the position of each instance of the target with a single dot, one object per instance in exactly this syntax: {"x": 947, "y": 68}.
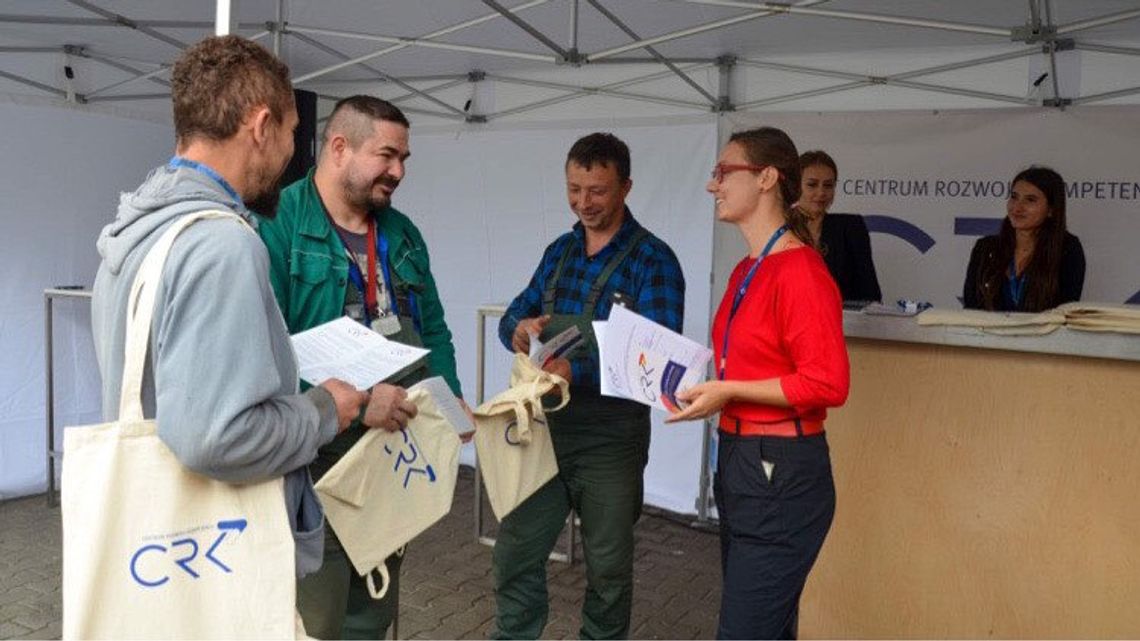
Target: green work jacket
{"x": 308, "y": 268}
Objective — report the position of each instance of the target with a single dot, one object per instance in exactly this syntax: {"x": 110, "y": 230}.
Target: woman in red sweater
{"x": 780, "y": 361}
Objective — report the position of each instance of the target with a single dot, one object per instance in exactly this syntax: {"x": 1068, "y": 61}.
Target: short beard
{"x": 265, "y": 203}
{"x": 362, "y": 196}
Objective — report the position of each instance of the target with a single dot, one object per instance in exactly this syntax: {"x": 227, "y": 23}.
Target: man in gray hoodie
{"x": 221, "y": 379}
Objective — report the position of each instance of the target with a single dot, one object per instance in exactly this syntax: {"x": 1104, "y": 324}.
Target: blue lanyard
{"x": 179, "y": 161}
{"x": 1016, "y": 283}
{"x": 740, "y": 291}
{"x": 357, "y": 277}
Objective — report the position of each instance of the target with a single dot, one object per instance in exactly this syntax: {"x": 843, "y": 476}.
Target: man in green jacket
{"x": 337, "y": 247}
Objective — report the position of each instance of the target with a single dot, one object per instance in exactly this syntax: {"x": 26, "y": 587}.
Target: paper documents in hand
{"x": 355, "y": 354}
{"x": 448, "y": 404}
{"x": 647, "y": 362}
{"x": 557, "y": 347}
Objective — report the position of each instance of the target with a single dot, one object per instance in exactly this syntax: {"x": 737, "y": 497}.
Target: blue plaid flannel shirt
{"x": 650, "y": 276}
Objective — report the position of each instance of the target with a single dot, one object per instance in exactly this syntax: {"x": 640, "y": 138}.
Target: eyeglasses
{"x": 721, "y": 170}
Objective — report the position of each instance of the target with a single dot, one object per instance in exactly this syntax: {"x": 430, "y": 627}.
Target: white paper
{"x": 355, "y": 354}
{"x": 556, "y": 347}
{"x": 600, "y": 336}
{"x": 448, "y": 404}
{"x": 647, "y": 362}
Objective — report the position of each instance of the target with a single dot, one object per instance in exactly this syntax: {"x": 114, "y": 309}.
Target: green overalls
{"x": 602, "y": 447}
{"x": 322, "y": 595}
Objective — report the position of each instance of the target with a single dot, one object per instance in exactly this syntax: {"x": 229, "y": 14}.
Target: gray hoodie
{"x": 228, "y": 405}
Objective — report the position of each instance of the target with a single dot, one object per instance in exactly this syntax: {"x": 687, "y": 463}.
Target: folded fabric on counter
{"x": 1001, "y": 323}
{"x": 1102, "y": 317}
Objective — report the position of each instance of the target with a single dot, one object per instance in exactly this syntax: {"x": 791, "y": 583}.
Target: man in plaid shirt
{"x": 601, "y": 443}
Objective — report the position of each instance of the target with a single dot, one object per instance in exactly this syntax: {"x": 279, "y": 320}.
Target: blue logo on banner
{"x": 899, "y": 228}
{"x": 967, "y": 226}
{"x": 186, "y": 550}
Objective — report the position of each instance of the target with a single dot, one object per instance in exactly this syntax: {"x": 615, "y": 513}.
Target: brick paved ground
{"x": 446, "y": 581}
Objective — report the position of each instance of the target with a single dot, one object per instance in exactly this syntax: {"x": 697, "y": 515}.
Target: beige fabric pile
{"x": 1001, "y": 323}
{"x": 1102, "y": 317}
{"x": 1087, "y": 317}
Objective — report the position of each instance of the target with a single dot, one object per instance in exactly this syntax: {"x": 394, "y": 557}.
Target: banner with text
{"x": 930, "y": 184}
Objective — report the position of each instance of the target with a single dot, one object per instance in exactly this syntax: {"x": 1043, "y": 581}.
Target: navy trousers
{"x": 771, "y": 529}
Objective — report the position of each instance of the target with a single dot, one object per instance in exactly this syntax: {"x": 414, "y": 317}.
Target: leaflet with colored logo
{"x": 355, "y": 354}
{"x": 646, "y": 362}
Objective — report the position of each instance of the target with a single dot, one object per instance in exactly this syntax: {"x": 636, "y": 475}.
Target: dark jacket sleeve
{"x": 1072, "y": 276}
{"x": 864, "y": 281}
{"x": 970, "y": 299}
{"x": 528, "y": 304}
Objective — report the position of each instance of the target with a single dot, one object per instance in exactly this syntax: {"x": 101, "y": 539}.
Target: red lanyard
{"x": 370, "y": 290}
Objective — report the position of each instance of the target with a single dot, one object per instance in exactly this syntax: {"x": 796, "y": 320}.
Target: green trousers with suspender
{"x": 602, "y": 446}
{"x": 323, "y": 595}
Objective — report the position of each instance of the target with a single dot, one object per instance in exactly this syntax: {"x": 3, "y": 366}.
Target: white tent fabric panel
{"x": 64, "y": 169}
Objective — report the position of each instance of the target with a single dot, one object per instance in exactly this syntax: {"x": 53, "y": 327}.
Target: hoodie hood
{"x": 167, "y": 193}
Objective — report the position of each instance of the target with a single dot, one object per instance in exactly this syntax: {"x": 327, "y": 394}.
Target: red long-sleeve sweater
{"x": 789, "y": 326}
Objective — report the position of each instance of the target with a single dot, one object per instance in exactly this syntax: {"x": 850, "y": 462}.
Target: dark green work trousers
{"x": 334, "y": 601}
{"x": 602, "y": 446}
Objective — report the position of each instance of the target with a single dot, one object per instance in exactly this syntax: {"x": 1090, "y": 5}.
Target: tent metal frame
{"x": 1040, "y": 32}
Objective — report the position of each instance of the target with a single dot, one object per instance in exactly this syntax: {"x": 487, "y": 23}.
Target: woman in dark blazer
{"x": 842, "y": 238}
{"x": 1033, "y": 263}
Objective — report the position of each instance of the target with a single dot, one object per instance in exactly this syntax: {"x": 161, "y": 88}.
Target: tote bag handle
{"x": 140, "y": 311}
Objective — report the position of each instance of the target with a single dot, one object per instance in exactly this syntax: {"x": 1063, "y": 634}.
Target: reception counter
{"x": 987, "y": 487}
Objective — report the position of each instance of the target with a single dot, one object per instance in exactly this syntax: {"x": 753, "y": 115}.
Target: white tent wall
{"x": 489, "y": 202}
{"x": 63, "y": 170}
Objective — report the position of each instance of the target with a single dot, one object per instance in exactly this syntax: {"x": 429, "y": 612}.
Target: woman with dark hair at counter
{"x": 841, "y": 238}
{"x": 781, "y": 361}
{"x": 1033, "y": 263}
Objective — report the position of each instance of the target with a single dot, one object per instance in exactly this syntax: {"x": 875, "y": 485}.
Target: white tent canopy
{"x": 493, "y": 61}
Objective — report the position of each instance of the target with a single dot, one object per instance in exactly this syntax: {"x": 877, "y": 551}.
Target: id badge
{"x": 386, "y": 325}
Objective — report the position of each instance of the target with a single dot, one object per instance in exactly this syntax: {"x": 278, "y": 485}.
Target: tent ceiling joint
{"x": 723, "y": 103}
{"x": 1059, "y": 44}
{"x": 1031, "y": 34}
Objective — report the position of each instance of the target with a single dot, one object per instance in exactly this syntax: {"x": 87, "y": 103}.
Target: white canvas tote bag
{"x": 390, "y": 487}
{"x": 512, "y": 440}
{"x": 152, "y": 550}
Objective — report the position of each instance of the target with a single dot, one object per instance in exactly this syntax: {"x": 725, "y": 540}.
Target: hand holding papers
{"x": 646, "y": 362}
{"x": 557, "y": 347}
{"x": 349, "y": 351}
